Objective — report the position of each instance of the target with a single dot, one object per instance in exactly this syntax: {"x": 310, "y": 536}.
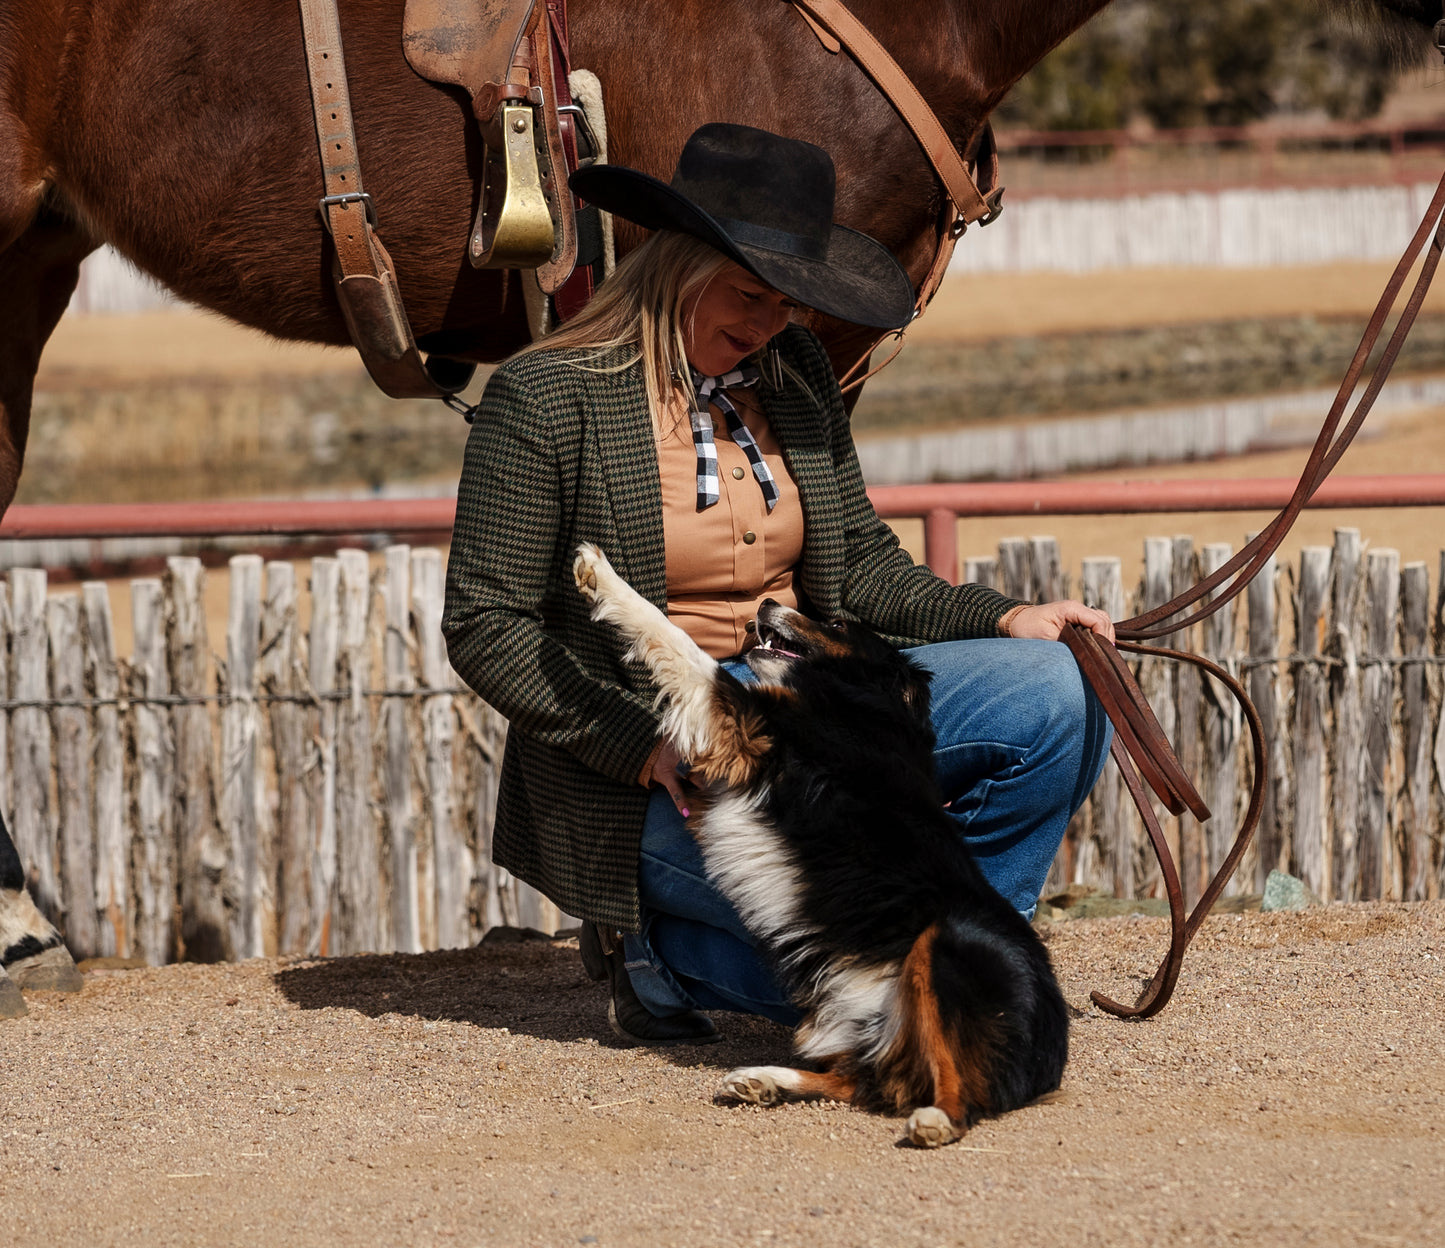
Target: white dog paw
{"x": 590, "y": 562}
{"x": 753, "y": 1085}
{"x": 930, "y": 1127}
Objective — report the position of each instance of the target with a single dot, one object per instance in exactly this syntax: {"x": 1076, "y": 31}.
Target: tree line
{"x": 1178, "y": 63}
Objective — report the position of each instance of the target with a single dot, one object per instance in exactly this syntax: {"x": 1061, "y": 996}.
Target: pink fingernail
{"x": 686, "y": 812}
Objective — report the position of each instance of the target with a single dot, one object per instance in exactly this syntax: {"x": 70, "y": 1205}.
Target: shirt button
{"x": 738, "y": 474}
{"x": 749, "y": 538}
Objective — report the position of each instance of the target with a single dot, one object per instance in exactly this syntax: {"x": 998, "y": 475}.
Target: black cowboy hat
{"x": 766, "y": 202}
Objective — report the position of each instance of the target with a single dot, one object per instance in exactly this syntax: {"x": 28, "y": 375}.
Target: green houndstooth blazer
{"x": 558, "y": 456}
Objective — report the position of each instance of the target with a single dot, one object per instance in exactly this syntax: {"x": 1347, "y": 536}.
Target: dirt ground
{"x": 1291, "y": 1094}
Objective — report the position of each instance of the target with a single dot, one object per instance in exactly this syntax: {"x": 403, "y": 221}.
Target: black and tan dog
{"x": 923, "y": 991}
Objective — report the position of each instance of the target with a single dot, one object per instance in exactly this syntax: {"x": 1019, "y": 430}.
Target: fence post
{"x": 1193, "y": 853}
{"x": 981, "y": 570}
{"x": 205, "y": 930}
{"x": 1415, "y": 645}
{"x": 325, "y": 635}
{"x": 72, "y": 774}
{"x": 239, "y": 730}
{"x": 112, "y": 833}
{"x": 1113, "y": 821}
{"x": 1016, "y": 568}
{"x": 34, "y": 825}
{"x": 1264, "y": 693}
{"x": 1156, "y": 679}
{"x": 1439, "y": 700}
{"x": 7, "y": 810}
{"x": 1347, "y": 770}
{"x": 1220, "y": 727}
{"x": 400, "y": 804}
{"x": 358, "y": 847}
{"x": 1046, "y": 569}
{"x": 452, "y": 862}
{"x": 1311, "y": 706}
{"x": 279, "y": 675}
{"x": 1382, "y": 573}
{"x": 156, "y": 924}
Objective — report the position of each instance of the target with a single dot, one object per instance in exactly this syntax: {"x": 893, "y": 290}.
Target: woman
{"x": 682, "y": 424}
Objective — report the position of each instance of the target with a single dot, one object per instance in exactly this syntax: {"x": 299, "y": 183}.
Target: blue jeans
{"x": 1021, "y": 741}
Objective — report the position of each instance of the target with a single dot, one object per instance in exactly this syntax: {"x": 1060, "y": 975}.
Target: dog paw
{"x": 930, "y": 1127}
{"x": 585, "y": 568}
{"x": 754, "y": 1086}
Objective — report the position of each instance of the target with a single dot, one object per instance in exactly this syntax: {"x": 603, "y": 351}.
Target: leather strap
{"x": 574, "y": 293}
{"x": 875, "y": 61}
{"x": 968, "y": 201}
{"x": 985, "y": 162}
{"x": 362, "y": 269}
{"x": 1137, "y": 733}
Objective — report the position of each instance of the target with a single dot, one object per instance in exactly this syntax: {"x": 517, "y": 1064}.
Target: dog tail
{"x": 984, "y": 1026}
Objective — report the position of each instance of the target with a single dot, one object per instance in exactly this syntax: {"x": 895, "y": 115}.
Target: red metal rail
{"x": 940, "y": 506}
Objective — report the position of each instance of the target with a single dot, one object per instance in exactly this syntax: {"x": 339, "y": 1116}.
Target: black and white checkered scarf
{"x": 714, "y": 390}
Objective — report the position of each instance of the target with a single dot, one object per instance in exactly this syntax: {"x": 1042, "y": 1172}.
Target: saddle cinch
{"x": 510, "y": 56}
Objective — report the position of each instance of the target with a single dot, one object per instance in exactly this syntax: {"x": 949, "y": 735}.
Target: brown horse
{"x": 181, "y": 134}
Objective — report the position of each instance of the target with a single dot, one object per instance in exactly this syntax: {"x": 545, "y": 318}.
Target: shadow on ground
{"x": 529, "y": 984}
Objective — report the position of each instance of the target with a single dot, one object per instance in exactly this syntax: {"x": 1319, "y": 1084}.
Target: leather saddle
{"x": 509, "y": 56}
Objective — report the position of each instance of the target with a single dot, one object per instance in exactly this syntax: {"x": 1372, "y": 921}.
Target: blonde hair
{"x": 639, "y": 309}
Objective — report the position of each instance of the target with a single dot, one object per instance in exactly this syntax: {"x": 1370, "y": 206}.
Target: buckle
{"x": 346, "y": 197}
{"x": 993, "y": 201}
{"x": 584, "y": 128}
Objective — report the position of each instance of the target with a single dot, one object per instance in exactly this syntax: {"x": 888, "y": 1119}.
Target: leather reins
{"x": 1138, "y": 737}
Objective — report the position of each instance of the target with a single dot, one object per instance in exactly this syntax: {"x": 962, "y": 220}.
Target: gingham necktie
{"x": 714, "y": 390}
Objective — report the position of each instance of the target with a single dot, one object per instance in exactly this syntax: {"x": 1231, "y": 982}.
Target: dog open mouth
{"x": 773, "y": 640}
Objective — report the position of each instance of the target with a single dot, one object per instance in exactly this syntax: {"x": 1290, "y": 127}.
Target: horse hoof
{"x": 12, "y": 1004}
{"x": 50, "y": 970}
{"x": 756, "y": 1087}
{"x": 930, "y": 1127}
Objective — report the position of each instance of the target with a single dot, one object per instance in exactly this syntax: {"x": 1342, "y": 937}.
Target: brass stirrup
{"x": 514, "y": 227}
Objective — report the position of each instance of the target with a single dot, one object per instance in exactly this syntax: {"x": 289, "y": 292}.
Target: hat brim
{"x": 858, "y": 281}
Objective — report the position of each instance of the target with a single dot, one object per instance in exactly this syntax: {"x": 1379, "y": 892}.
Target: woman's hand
{"x": 664, "y": 772}
{"x": 1046, "y": 621}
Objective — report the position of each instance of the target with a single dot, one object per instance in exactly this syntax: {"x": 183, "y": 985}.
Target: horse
{"x": 182, "y": 135}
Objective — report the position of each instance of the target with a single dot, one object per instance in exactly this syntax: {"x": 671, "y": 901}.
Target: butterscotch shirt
{"x": 724, "y": 560}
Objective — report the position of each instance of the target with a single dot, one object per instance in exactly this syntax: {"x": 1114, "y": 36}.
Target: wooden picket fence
{"x": 332, "y": 789}
{"x": 1342, "y": 656}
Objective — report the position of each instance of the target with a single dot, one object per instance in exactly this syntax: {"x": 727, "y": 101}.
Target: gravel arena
{"x": 1292, "y": 1093}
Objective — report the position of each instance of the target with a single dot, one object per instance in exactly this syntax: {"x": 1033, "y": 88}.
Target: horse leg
{"x": 39, "y": 271}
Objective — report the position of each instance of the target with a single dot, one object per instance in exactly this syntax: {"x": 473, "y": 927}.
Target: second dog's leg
{"x": 684, "y": 674}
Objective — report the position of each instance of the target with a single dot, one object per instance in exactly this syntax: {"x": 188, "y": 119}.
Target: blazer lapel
{"x": 796, "y": 423}
{"x": 625, "y": 447}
